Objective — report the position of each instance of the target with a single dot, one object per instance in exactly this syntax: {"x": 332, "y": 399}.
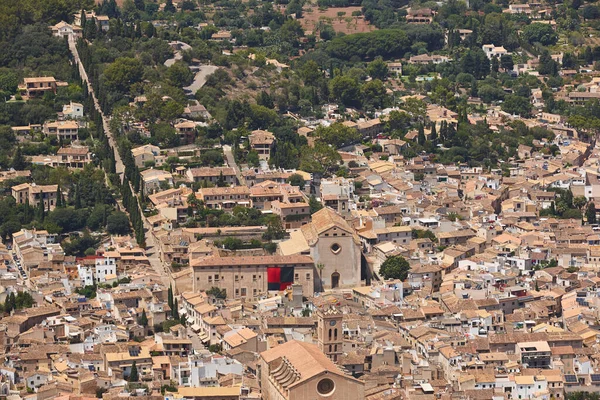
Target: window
{"x": 210, "y": 278}
{"x": 336, "y": 248}
{"x": 325, "y": 387}
{"x": 237, "y": 292}
{"x": 237, "y": 278}
{"x": 296, "y": 277}
{"x": 243, "y": 292}
{"x": 308, "y": 277}
{"x": 253, "y": 278}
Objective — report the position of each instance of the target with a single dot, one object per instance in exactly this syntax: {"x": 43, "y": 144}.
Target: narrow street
{"x": 151, "y": 246}
{"x": 231, "y": 162}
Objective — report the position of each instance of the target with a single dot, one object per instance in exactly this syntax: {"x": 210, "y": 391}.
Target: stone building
{"x": 250, "y": 276}
{"x": 333, "y": 245}
{"x": 300, "y": 371}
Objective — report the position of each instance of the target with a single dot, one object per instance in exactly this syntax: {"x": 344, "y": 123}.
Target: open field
{"x": 345, "y": 23}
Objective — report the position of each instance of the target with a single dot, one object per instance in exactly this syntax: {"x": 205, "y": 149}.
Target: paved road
{"x": 120, "y": 168}
{"x": 200, "y": 78}
{"x": 231, "y": 162}
{"x": 159, "y": 267}
{"x": 196, "y": 342}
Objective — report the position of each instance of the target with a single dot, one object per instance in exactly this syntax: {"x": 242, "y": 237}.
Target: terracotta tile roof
{"x": 306, "y": 359}
{"x": 324, "y": 220}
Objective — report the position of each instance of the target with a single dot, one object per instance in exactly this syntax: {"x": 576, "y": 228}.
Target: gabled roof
{"x": 322, "y": 221}
{"x": 305, "y": 358}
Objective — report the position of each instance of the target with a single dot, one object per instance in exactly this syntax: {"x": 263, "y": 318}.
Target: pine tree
{"x": 133, "y": 376}
{"x": 19, "y": 163}
{"x": 169, "y": 7}
{"x": 139, "y": 4}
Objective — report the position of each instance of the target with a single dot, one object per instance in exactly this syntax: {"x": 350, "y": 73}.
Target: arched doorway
{"x": 335, "y": 280}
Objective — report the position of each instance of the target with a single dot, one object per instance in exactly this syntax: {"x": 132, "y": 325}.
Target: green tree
{"x": 134, "y": 376}
{"x": 547, "y": 65}
{"x": 590, "y": 213}
{"x": 165, "y": 134}
{"x": 337, "y": 134}
{"x": 517, "y": 105}
{"x": 291, "y": 31}
{"x": 275, "y": 230}
{"x": 118, "y": 224}
{"x": 59, "y": 197}
{"x": 217, "y": 293}
{"x": 297, "y": 180}
{"x": 394, "y": 267}
{"x": 169, "y": 7}
{"x": 19, "y": 163}
{"x": 506, "y": 62}
{"x": 540, "y": 33}
{"x": 143, "y": 319}
{"x": 373, "y": 94}
{"x": 321, "y": 159}
{"x": 123, "y": 73}
{"x": 253, "y": 159}
{"x": 314, "y": 205}
{"x": 179, "y": 74}
{"x": 176, "y": 309}
{"x": 378, "y": 69}
{"x": 345, "y": 90}
{"x": 170, "y": 296}
{"x": 579, "y": 202}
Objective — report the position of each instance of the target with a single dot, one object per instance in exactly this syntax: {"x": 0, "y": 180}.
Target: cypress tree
{"x": 134, "y": 376}
{"x": 175, "y": 310}
{"x": 434, "y": 135}
{"x": 77, "y": 198}
{"x": 7, "y": 305}
{"x": 13, "y": 301}
{"x": 421, "y": 136}
{"x": 59, "y": 200}
{"x": 144, "y": 318}
{"x": 590, "y": 213}
{"x": 170, "y": 297}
